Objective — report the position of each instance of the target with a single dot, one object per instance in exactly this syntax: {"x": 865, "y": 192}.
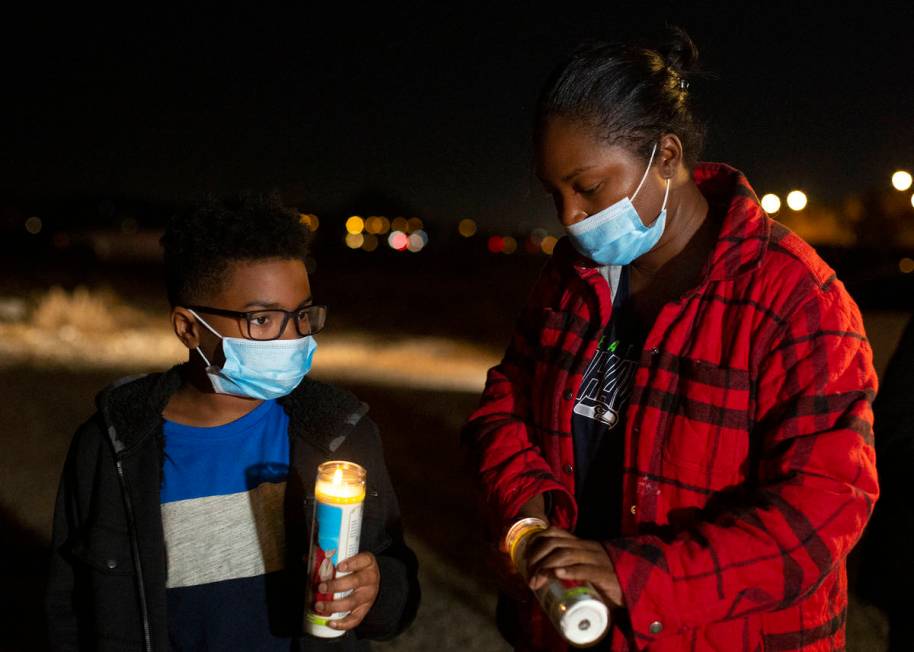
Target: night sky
{"x": 425, "y": 110}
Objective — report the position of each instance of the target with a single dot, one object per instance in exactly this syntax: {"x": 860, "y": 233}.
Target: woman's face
{"x": 585, "y": 175}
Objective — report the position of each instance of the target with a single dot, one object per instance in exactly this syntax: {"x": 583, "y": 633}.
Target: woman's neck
{"x": 686, "y": 213}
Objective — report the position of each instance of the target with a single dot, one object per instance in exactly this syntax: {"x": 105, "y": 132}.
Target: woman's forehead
{"x": 566, "y": 148}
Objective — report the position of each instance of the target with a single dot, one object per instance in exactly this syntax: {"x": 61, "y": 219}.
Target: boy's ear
{"x": 186, "y": 327}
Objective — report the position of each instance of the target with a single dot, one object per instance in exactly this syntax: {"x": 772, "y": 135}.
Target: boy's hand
{"x": 364, "y": 579}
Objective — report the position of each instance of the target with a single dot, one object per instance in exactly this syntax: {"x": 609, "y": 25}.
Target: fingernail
{"x": 343, "y": 567}
{"x": 322, "y": 588}
{"x": 561, "y": 572}
{"x": 318, "y": 606}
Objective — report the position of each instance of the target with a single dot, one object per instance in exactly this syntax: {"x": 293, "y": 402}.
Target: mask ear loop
{"x": 649, "y": 162}
{"x": 666, "y": 195}
{"x": 211, "y": 329}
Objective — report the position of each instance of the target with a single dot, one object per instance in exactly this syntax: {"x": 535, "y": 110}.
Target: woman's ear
{"x": 186, "y": 327}
{"x": 670, "y": 156}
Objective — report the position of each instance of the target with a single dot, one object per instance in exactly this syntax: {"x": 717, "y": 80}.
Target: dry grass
{"x": 88, "y": 311}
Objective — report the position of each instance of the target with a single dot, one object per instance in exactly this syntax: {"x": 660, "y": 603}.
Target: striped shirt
{"x": 222, "y": 514}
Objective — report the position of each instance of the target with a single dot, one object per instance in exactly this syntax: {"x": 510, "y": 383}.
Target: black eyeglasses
{"x": 271, "y": 324}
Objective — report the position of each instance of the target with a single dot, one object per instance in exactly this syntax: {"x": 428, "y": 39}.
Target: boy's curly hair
{"x": 200, "y": 244}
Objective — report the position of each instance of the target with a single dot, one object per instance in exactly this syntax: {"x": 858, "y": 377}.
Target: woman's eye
{"x": 591, "y": 190}
{"x": 261, "y": 320}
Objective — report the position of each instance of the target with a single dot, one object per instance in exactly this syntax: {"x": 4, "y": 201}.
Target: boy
{"x": 183, "y": 512}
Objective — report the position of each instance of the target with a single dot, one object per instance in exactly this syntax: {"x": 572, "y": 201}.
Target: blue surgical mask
{"x": 616, "y": 235}
{"x": 259, "y": 369}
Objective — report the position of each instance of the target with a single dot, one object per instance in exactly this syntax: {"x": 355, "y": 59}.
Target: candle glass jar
{"x": 574, "y": 607}
{"x": 336, "y": 526}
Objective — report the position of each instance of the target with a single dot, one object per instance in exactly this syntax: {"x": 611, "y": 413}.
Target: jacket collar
{"x": 745, "y": 229}
{"x": 131, "y": 410}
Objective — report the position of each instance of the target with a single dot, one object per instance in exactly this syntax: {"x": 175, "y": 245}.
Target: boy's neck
{"x": 196, "y": 404}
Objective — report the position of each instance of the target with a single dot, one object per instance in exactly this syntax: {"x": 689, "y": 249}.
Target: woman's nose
{"x": 569, "y": 212}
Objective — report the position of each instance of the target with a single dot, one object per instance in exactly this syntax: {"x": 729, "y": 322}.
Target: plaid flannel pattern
{"x": 750, "y": 468}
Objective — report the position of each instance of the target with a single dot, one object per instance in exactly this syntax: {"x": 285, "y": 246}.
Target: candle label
{"x": 335, "y": 536}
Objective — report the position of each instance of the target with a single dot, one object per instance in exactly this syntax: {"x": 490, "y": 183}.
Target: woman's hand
{"x": 364, "y": 580}
{"x": 557, "y": 553}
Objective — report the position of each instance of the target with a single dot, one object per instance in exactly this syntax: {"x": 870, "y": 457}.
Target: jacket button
{"x": 656, "y": 627}
{"x": 568, "y": 395}
{"x": 568, "y": 469}
{"x": 634, "y": 509}
{"x": 111, "y": 563}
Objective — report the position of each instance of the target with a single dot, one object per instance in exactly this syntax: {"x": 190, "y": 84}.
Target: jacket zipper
{"x": 141, "y": 585}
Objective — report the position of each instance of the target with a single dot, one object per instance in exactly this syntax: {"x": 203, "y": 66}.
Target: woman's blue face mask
{"x": 259, "y": 369}
{"x": 616, "y": 235}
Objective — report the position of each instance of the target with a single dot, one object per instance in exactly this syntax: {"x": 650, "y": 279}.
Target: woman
{"x": 686, "y": 398}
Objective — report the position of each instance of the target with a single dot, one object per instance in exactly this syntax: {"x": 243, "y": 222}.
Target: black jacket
{"x": 106, "y": 588}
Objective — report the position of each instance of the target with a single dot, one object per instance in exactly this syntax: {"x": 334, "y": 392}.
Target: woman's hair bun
{"x": 679, "y": 52}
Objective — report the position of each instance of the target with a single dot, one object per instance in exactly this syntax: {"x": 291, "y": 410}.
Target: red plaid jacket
{"x": 749, "y": 463}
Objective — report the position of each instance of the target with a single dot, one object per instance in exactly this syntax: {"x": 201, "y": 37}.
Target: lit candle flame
{"x": 338, "y": 477}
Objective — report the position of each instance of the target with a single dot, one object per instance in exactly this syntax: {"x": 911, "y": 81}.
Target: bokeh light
{"x": 371, "y": 242}
{"x": 417, "y": 241}
{"x": 901, "y": 180}
{"x": 912, "y": 201}
{"x": 548, "y": 244}
{"x": 355, "y": 225}
{"x": 398, "y": 240}
{"x": 797, "y": 200}
{"x": 33, "y": 225}
{"x": 467, "y": 228}
{"x": 310, "y": 220}
{"x": 399, "y": 224}
{"x": 354, "y": 240}
{"x": 510, "y": 245}
{"x": 496, "y": 244}
{"x": 771, "y": 203}
{"x": 414, "y": 224}
{"x": 373, "y": 224}
{"x": 906, "y": 265}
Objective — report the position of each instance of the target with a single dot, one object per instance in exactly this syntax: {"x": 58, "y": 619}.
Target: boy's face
{"x": 249, "y": 285}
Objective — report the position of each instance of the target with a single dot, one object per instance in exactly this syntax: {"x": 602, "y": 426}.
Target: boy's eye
{"x": 260, "y": 320}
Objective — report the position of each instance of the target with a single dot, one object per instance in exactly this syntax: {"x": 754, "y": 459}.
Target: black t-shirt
{"x": 598, "y": 422}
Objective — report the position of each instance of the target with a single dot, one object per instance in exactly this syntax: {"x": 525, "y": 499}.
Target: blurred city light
{"x": 398, "y": 240}
{"x": 33, "y": 225}
{"x": 310, "y": 220}
{"x": 912, "y": 201}
{"x": 549, "y": 244}
{"x": 797, "y": 200}
{"x": 509, "y": 245}
{"x": 901, "y": 180}
{"x": 496, "y": 244}
{"x": 417, "y": 240}
{"x": 399, "y": 224}
{"x": 771, "y": 203}
{"x": 906, "y": 265}
{"x": 373, "y": 224}
{"x": 371, "y": 243}
{"x": 355, "y": 225}
{"x": 354, "y": 240}
{"x": 467, "y": 228}
{"x": 414, "y": 224}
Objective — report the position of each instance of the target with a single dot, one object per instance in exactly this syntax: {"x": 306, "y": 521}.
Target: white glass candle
{"x": 339, "y": 494}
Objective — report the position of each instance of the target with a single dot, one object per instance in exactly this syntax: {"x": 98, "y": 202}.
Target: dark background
{"x": 429, "y": 104}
